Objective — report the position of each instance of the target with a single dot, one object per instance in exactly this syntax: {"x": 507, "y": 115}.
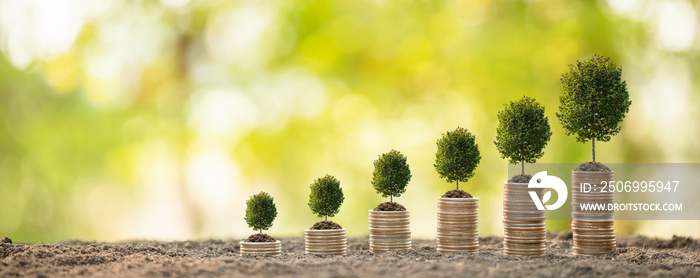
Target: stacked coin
{"x": 458, "y": 225}
{"x": 389, "y": 230}
{"x": 523, "y": 224}
{"x": 269, "y": 248}
{"x": 594, "y": 232}
{"x": 326, "y": 242}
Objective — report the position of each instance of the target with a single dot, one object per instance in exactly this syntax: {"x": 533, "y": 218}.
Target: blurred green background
{"x": 158, "y": 119}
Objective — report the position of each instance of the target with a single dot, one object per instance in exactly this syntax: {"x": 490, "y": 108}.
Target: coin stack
{"x": 523, "y": 224}
{"x": 458, "y": 225}
{"x": 389, "y": 230}
{"x": 326, "y": 242}
{"x": 594, "y": 232}
{"x": 270, "y": 248}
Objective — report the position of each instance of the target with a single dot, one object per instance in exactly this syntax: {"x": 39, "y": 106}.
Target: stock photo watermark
{"x": 631, "y": 191}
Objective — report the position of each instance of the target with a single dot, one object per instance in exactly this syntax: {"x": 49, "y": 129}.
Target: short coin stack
{"x": 326, "y": 242}
{"x": 523, "y": 223}
{"x": 389, "y": 230}
{"x": 269, "y": 248}
{"x": 594, "y": 232}
{"x": 458, "y": 225}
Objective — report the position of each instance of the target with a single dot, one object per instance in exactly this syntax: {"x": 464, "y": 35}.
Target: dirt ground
{"x": 635, "y": 256}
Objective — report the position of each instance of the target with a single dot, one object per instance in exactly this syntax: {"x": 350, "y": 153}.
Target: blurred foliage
{"x": 156, "y": 119}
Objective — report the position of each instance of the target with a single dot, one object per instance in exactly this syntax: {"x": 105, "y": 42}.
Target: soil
{"x": 326, "y": 225}
{"x": 260, "y": 238}
{"x": 520, "y": 179}
{"x": 635, "y": 256}
{"x": 390, "y": 206}
{"x": 592, "y": 167}
{"x": 457, "y": 193}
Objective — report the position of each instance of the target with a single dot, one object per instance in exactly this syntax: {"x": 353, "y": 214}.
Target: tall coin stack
{"x": 523, "y": 224}
{"x": 389, "y": 230}
{"x": 594, "y": 232}
{"x": 458, "y": 225}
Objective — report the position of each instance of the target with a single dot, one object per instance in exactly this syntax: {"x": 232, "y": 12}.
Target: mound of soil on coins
{"x": 457, "y": 193}
{"x": 520, "y": 179}
{"x": 326, "y": 225}
{"x": 260, "y": 238}
{"x": 592, "y": 167}
{"x": 390, "y": 206}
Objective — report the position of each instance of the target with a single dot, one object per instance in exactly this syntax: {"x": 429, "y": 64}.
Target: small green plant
{"x": 594, "y": 100}
{"x": 457, "y": 156}
{"x": 326, "y": 196}
{"x": 391, "y": 174}
{"x": 522, "y": 132}
{"x": 260, "y": 211}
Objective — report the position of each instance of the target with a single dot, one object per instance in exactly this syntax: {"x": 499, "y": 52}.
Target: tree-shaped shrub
{"x": 260, "y": 211}
{"x": 326, "y": 196}
{"x": 594, "y": 100}
{"x": 522, "y": 132}
{"x": 457, "y": 156}
{"x": 391, "y": 174}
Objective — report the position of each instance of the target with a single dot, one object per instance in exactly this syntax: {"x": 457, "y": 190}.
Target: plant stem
{"x": 593, "y": 149}
{"x": 522, "y": 167}
{"x": 260, "y": 231}
{"x": 326, "y": 217}
{"x": 457, "y": 184}
{"x": 391, "y": 198}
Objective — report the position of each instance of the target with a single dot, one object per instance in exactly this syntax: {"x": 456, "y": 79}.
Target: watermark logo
{"x": 541, "y": 180}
